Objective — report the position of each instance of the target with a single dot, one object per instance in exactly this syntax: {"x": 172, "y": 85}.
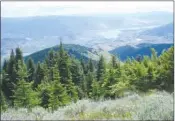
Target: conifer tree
{"x": 44, "y": 92}
{"x": 45, "y": 96}
{"x": 84, "y": 66}
{"x": 65, "y": 74}
{"x": 5, "y": 65}
{"x": 58, "y": 96}
{"x": 81, "y": 88}
{"x": 109, "y": 81}
{"x": 113, "y": 62}
{"x": 18, "y": 57}
{"x": 101, "y": 69}
{"x": 91, "y": 66}
{"x": 39, "y": 74}
{"x": 31, "y": 69}
{"x": 165, "y": 79}
{"x": 46, "y": 71}
{"x": 89, "y": 80}
{"x": 3, "y": 102}
{"x": 72, "y": 91}
{"x": 6, "y": 85}
{"x": 9, "y": 77}
{"x": 64, "y": 66}
{"x": 76, "y": 72}
{"x": 51, "y": 60}
{"x": 24, "y": 96}
{"x": 45, "y": 85}
{"x": 96, "y": 91}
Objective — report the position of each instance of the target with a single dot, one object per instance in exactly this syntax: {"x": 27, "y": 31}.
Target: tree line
{"x": 61, "y": 79}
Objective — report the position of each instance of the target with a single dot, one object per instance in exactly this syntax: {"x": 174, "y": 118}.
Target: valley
{"x": 101, "y": 33}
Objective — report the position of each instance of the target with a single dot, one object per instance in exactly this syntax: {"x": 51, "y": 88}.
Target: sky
{"x": 43, "y": 8}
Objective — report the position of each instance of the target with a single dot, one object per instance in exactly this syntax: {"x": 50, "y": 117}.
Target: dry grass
{"x": 156, "y": 106}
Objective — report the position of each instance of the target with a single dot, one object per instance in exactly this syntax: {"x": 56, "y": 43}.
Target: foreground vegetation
{"x": 151, "y": 106}
{"x": 62, "y": 80}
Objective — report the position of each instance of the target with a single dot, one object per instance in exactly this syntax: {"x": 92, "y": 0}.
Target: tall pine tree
{"x": 39, "y": 74}
{"x": 101, "y": 69}
{"x": 58, "y": 95}
{"x": 24, "y": 96}
{"x": 31, "y": 69}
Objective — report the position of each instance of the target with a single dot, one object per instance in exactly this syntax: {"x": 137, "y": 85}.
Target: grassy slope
{"x": 155, "y": 106}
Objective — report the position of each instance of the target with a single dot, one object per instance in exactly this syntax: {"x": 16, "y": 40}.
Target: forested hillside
{"x": 143, "y": 49}
{"x": 73, "y": 50}
{"x": 60, "y": 79}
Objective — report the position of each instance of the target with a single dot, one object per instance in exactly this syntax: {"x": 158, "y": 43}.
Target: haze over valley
{"x": 100, "y": 32}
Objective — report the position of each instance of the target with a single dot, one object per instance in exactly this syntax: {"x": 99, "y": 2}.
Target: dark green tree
{"x": 39, "y": 74}
{"x": 64, "y": 65}
{"x": 96, "y": 90}
{"x": 58, "y": 95}
{"x": 18, "y": 57}
{"x": 44, "y": 93}
{"x": 101, "y": 69}
{"x": 31, "y": 69}
{"x": 9, "y": 77}
{"x": 113, "y": 62}
{"x": 5, "y": 65}
{"x": 91, "y": 66}
{"x": 51, "y": 58}
{"x": 76, "y": 72}
{"x": 24, "y": 96}
{"x": 166, "y": 70}
{"x": 3, "y": 102}
{"x": 84, "y": 66}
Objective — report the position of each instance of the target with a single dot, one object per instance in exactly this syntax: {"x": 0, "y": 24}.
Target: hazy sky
{"x": 41, "y": 8}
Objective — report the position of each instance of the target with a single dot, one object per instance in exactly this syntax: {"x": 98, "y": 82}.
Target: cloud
{"x": 35, "y": 8}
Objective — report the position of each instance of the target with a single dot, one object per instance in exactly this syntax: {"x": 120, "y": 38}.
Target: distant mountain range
{"x": 40, "y": 26}
{"x": 164, "y": 30}
{"x": 102, "y": 33}
{"x": 141, "y": 49}
{"x": 86, "y": 53}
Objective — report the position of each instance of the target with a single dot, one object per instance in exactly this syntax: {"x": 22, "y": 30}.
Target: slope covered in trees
{"x": 124, "y": 52}
{"x": 76, "y": 51}
{"x": 61, "y": 79}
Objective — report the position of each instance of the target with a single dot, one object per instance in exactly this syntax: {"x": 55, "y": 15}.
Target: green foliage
{"x": 101, "y": 69}
{"x": 61, "y": 79}
{"x": 71, "y": 91}
{"x": 166, "y": 70}
{"x": 9, "y": 77}
{"x": 31, "y": 69}
{"x": 19, "y": 56}
{"x": 96, "y": 90}
{"x": 24, "y": 96}
{"x": 44, "y": 94}
{"x": 39, "y": 74}
{"x": 3, "y": 102}
{"x": 76, "y": 72}
{"x": 64, "y": 65}
{"x": 58, "y": 95}
{"x": 91, "y": 66}
{"x": 76, "y": 51}
{"x": 113, "y": 62}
